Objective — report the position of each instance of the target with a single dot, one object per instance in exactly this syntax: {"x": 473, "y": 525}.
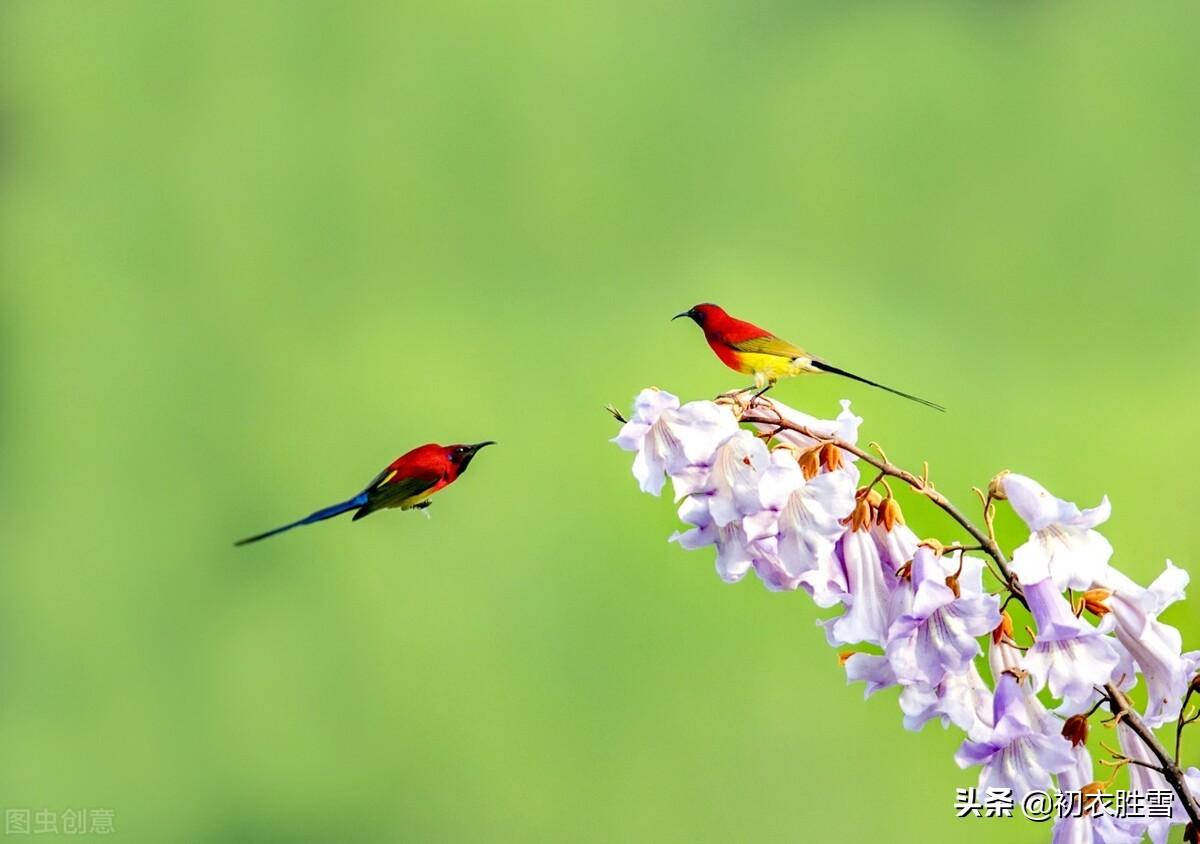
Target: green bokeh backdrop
{"x": 252, "y": 252}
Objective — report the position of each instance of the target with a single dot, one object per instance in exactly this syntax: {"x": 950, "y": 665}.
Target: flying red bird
{"x": 746, "y": 348}
{"x": 406, "y": 484}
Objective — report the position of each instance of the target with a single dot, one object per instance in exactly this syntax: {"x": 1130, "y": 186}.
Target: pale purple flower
{"x": 1154, "y": 647}
{"x": 736, "y": 554}
{"x": 668, "y": 438}
{"x": 938, "y": 633}
{"x": 737, "y": 469}
{"x": 805, "y": 516}
{"x": 1015, "y": 753}
{"x": 871, "y": 669}
{"x": 1069, "y": 655}
{"x": 962, "y": 699}
{"x": 867, "y": 590}
{"x": 1061, "y": 541}
{"x": 896, "y": 546}
{"x": 1005, "y": 658}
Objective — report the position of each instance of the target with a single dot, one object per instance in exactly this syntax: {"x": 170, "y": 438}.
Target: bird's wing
{"x": 387, "y": 491}
{"x": 769, "y": 345}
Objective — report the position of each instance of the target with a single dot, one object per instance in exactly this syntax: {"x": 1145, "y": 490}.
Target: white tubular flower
{"x": 867, "y": 591}
{"x": 806, "y": 517}
{"x": 962, "y": 699}
{"x": 1155, "y": 648}
{"x": 1062, "y": 540}
{"x": 737, "y": 469}
{"x": 1015, "y": 753}
{"x": 896, "y": 546}
{"x": 937, "y": 634}
{"x": 1005, "y": 658}
{"x": 668, "y": 438}
{"x": 872, "y": 669}
{"x": 1069, "y": 655}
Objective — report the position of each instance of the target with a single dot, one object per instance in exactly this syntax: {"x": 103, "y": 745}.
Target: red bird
{"x": 746, "y": 348}
{"x": 406, "y": 484}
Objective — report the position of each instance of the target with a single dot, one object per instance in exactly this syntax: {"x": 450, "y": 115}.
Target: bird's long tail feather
{"x": 319, "y": 516}
{"x": 826, "y": 367}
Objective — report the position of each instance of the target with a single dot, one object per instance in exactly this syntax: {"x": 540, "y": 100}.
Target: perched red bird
{"x": 406, "y": 484}
{"x": 746, "y": 348}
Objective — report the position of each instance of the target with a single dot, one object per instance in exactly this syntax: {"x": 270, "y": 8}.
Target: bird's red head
{"x": 705, "y": 315}
{"x": 720, "y": 327}
{"x": 460, "y": 456}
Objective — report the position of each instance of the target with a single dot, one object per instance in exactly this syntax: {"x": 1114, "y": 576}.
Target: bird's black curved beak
{"x": 478, "y": 446}
{"x": 687, "y": 314}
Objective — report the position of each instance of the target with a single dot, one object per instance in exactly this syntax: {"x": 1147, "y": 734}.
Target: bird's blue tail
{"x": 319, "y": 516}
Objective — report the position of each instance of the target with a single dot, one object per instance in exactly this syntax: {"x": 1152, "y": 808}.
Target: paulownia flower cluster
{"x": 781, "y": 494}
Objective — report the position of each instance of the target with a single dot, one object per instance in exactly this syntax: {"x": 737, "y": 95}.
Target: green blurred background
{"x": 252, "y": 252}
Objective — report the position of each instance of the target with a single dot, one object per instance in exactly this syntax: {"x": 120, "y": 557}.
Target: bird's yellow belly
{"x": 771, "y": 368}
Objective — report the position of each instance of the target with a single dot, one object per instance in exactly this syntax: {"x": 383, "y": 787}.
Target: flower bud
{"x": 810, "y": 463}
{"x": 996, "y": 486}
{"x": 952, "y": 582}
{"x": 1003, "y": 631}
{"x": 1094, "y": 601}
{"x": 860, "y": 518}
{"x": 889, "y": 514}
{"x": 1076, "y": 730}
{"x": 845, "y": 656}
{"x": 831, "y": 457}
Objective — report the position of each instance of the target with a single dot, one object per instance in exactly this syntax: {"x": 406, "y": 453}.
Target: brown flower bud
{"x": 1076, "y": 729}
{"x": 810, "y": 463}
{"x": 1094, "y": 601}
{"x": 874, "y": 498}
{"x": 860, "y": 518}
{"x": 890, "y": 515}
{"x": 1003, "y": 631}
{"x": 996, "y": 486}
{"x": 1196, "y": 684}
{"x": 831, "y": 457}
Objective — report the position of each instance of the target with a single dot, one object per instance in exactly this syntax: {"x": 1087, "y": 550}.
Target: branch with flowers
{"x": 778, "y": 492}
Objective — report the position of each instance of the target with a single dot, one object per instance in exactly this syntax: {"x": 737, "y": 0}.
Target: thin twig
{"x": 1122, "y": 707}
{"x": 1183, "y": 721}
